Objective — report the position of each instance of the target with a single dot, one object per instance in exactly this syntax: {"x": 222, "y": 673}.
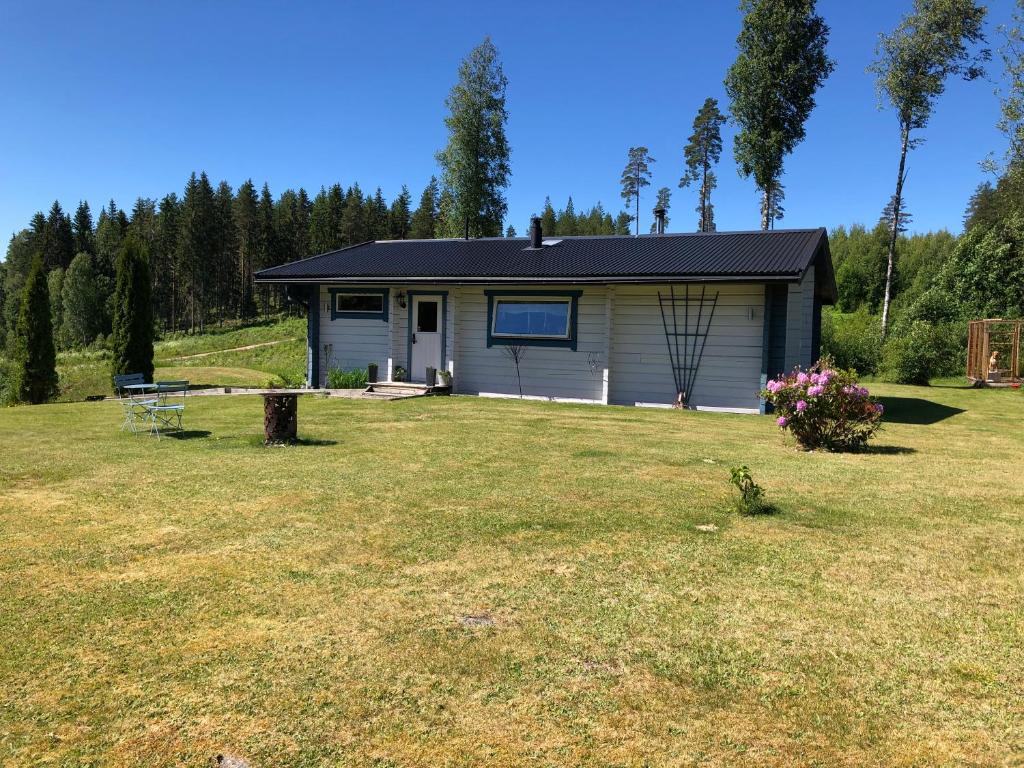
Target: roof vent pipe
{"x": 659, "y": 214}
{"x": 536, "y": 236}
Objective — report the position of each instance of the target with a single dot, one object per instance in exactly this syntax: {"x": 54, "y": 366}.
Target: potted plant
{"x": 399, "y": 373}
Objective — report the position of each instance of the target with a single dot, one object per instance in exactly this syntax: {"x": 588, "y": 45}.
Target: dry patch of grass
{"x": 462, "y": 581}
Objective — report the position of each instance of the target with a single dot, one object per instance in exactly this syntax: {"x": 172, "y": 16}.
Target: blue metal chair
{"x": 134, "y": 400}
{"x": 169, "y": 409}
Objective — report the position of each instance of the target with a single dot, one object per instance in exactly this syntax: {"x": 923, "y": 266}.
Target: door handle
{"x": 414, "y": 338}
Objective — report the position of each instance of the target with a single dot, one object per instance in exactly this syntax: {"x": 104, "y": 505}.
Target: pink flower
{"x": 815, "y": 378}
{"x": 863, "y": 392}
{"x": 814, "y": 391}
{"x": 879, "y": 408}
{"x": 801, "y": 406}
{"x": 825, "y": 377}
{"x": 802, "y": 378}
{"x": 782, "y": 421}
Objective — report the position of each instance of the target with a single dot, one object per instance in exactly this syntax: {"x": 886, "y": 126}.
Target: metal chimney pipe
{"x": 659, "y": 214}
{"x": 536, "y": 235}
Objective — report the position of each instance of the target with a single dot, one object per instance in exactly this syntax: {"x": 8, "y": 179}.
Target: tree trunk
{"x": 766, "y": 207}
{"x": 704, "y": 200}
{"x": 280, "y": 418}
{"x": 894, "y": 232}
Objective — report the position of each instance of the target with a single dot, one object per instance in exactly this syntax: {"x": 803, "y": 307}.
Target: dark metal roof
{"x": 733, "y": 256}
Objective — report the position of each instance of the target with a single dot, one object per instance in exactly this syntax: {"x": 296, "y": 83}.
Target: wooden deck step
{"x": 394, "y": 390}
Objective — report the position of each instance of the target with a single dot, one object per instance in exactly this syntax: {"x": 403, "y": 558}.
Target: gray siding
{"x": 730, "y": 369}
{"x": 355, "y": 342}
{"x": 800, "y": 322}
{"x": 549, "y": 372}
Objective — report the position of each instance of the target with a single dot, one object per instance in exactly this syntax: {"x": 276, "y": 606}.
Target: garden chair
{"x": 134, "y": 400}
{"x": 167, "y": 412}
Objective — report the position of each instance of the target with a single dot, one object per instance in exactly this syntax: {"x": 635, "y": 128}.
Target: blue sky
{"x": 105, "y": 101}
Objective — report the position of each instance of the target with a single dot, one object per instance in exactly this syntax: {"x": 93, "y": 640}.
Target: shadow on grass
{"x": 187, "y": 434}
{"x": 916, "y": 410}
{"x": 302, "y": 442}
{"x": 888, "y": 450}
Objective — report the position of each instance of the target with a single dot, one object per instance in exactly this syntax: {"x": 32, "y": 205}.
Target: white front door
{"x": 426, "y": 336}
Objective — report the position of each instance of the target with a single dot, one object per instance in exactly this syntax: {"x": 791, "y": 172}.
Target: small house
{"x": 700, "y": 320}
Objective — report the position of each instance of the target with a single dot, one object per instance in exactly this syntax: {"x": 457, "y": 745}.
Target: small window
{"x": 358, "y": 302}
{"x": 426, "y": 317}
{"x": 532, "y": 318}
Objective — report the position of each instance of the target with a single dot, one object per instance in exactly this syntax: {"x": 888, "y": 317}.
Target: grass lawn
{"x": 466, "y": 582}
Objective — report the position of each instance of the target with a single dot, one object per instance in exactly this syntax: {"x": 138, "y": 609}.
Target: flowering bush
{"x": 824, "y": 408}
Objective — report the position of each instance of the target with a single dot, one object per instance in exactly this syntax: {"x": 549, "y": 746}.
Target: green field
{"x": 459, "y": 581}
{"x": 272, "y": 353}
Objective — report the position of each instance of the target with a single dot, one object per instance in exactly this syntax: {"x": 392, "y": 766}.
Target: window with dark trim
{"x": 358, "y": 302}
{"x": 371, "y": 303}
{"x": 532, "y": 318}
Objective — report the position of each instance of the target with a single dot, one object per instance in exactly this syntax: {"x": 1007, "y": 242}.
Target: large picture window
{"x": 532, "y": 318}
{"x": 369, "y": 303}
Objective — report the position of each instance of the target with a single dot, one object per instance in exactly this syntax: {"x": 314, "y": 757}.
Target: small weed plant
{"x": 751, "y": 500}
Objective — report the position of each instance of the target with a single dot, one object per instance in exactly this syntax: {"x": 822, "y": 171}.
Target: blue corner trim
{"x": 409, "y": 330}
{"x": 313, "y": 337}
{"x": 385, "y": 294}
{"x": 527, "y": 341}
{"x": 766, "y": 319}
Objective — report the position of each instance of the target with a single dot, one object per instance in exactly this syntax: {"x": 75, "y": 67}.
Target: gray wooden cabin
{"x": 619, "y": 319}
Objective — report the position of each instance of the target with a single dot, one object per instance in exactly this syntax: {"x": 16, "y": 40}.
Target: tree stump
{"x": 280, "y": 418}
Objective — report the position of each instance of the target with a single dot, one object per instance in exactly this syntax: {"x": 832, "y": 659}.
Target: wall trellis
{"x": 685, "y": 358}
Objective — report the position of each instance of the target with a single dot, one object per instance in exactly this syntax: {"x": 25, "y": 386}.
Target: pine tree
{"x": 475, "y": 163}
{"x": 622, "y": 223}
{"x": 131, "y": 340}
{"x": 635, "y": 176}
{"x": 399, "y": 216}
{"x": 663, "y": 202}
{"x": 82, "y": 228}
{"x": 702, "y": 153}
{"x": 782, "y": 62}
{"x": 424, "y": 219}
{"x": 83, "y": 303}
{"x": 34, "y": 356}
{"x": 511, "y": 231}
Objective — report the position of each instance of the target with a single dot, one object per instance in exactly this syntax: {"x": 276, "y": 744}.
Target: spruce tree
{"x": 34, "y": 356}
{"x": 58, "y": 244}
{"x": 511, "y": 231}
{"x": 424, "y": 219}
{"x": 131, "y": 339}
{"x": 82, "y": 228}
{"x": 475, "y": 163}
{"x": 164, "y": 264}
{"x": 702, "y": 153}
{"x": 781, "y": 64}
{"x": 55, "y": 290}
{"x": 548, "y": 219}
{"x": 399, "y": 215}
{"x": 247, "y": 241}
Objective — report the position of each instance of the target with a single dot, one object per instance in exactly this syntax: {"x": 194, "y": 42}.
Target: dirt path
{"x": 233, "y": 349}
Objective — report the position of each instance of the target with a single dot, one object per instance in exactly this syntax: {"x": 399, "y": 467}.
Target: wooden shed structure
{"x": 993, "y": 351}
